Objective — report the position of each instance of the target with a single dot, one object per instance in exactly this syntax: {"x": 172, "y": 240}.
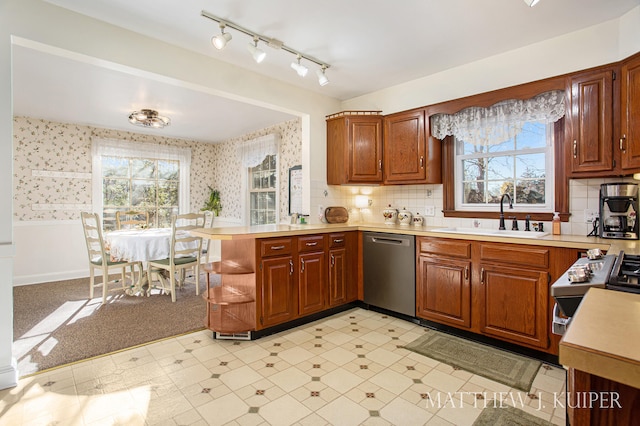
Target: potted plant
{"x": 213, "y": 203}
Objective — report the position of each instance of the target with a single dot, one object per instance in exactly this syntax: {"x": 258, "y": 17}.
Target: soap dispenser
{"x": 555, "y": 223}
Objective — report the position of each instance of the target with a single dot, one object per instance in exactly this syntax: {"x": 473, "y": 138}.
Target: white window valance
{"x": 499, "y": 122}
{"x": 253, "y": 151}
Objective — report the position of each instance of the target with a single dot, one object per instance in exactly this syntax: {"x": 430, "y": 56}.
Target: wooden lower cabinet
{"x": 312, "y": 282}
{"x": 444, "y": 290}
{"x": 514, "y": 304}
{"x": 500, "y": 290}
{"x": 304, "y": 275}
{"x": 279, "y": 296}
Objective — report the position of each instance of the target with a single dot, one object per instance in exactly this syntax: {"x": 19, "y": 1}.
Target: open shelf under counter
{"x": 227, "y": 295}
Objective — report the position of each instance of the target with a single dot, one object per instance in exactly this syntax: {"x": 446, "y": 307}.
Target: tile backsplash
{"x": 584, "y": 195}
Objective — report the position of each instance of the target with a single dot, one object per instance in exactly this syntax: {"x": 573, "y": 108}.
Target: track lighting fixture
{"x": 221, "y": 40}
{"x": 531, "y": 3}
{"x": 257, "y": 53}
{"x": 322, "y": 78}
{"x": 300, "y": 69}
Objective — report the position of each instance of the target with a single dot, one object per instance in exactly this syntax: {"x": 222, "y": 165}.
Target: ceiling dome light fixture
{"x": 300, "y": 69}
{"x": 221, "y": 40}
{"x": 531, "y": 3}
{"x": 258, "y": 54}
{"x": 148, "y": 118}
{"x": 322, "y": 78}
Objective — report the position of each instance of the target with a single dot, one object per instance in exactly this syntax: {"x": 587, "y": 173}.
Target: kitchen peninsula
{"x": 274, "y": 274}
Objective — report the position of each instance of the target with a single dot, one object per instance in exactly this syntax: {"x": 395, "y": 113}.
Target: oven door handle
{"x": 560, "y": 324}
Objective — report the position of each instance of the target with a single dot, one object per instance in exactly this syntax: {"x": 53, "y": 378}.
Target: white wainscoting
{"x": 56, "y": 250}
{"x": 48, "y": 251}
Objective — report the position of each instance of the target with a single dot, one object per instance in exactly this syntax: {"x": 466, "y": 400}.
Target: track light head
{"x": 221, "y": 40}
{"x": 257, "y": 53}
{"x": 300, "y": 69}
{"x": 322, "y": 78}
{"x": 531, "y": 3}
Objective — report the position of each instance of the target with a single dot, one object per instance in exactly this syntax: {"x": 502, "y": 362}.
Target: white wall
{"x": 601, "y": 44}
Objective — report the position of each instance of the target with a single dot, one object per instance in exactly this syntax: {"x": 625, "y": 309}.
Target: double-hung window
{"x": 259, "y": 162}
{"x": 507, "y": 148}
{"x": 142, "y": 178}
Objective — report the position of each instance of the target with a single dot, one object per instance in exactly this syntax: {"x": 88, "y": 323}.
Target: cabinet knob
{"x": 338, "y": 241}
{"x": 290, "y": 267}
{"x": 333, "y": 260}
{"x": 311, "y": 244}
{"x": 575, "y": 148}
{"x": 482, "y": 276}
{"x": 422, "y": 162}
{"x": 301, "y": 265}
{"x": 380, "y": 165}
{"x": 466, "y": 273}
{"x": 277, "y": 247}
{"x": 622, "y": 139}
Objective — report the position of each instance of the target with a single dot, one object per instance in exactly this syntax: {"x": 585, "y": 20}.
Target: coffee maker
{"x": 618, "y": 210}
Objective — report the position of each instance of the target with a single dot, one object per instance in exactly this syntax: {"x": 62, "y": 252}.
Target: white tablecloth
{"x": 139, "y": 244}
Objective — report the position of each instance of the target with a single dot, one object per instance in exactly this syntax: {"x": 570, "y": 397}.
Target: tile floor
{"x": 348, "y": 369}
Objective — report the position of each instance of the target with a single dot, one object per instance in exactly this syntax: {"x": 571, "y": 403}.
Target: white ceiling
{"x": 370, "y": 45}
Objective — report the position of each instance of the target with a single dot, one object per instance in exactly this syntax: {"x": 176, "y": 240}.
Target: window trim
{"x": 523, "y": 91}
{"x": 123, "y": 148}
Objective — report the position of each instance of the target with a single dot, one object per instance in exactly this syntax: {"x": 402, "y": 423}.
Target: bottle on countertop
{"x": 555, "y": 223}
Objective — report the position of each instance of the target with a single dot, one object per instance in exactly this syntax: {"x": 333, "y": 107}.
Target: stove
{"x": 625, "y": 275}
{"x": 614, "y": 272}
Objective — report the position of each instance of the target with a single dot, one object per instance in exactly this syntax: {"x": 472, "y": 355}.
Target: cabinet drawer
{"x": 531, "y": 256}
{"x": 276, "y": 246}
{"x": 444, "y": 247}
{"x": 337, "y": 240}
{"x": 311, "y": 243}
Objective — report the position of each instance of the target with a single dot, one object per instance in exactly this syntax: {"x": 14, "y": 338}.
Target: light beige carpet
{"x": 56, "y": 323}
{"x": 504, "y": 367}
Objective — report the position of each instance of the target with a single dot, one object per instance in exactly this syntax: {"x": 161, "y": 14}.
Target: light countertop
{"x": 267, "y": 231}
{"x": 603, "y": 337}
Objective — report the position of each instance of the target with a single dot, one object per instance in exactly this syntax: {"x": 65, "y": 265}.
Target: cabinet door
{"x": 630, "y": 111}
{"x": 591, "y": 128}
{"x": 444, "y": 291}
{"x": 311, "y": 282}
{"x": 337, "y": 277}
{"x": 278, "y": 302}
{"x": 404, "y": 147}
{"x": 354, "y": 149}
{"x": 514, "y": 304}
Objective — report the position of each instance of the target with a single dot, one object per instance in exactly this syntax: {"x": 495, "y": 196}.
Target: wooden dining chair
{"x": 132, "y": 219}
{"x": 99, "y": 258}
{"x": 184, "y": 253}
{"x": 205, "y": 252}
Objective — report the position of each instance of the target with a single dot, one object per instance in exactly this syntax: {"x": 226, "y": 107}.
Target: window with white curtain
{"x": 505, "y": 148}
{"x": 260, "y": 171}
{"x": 142, "y": 177}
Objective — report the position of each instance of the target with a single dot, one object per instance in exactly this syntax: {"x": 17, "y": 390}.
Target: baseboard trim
{"x": 9, "y": 375}
{"x": 49, "y": 277}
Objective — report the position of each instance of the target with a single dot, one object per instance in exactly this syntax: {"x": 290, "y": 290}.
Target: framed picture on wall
{"x": 295, "y": 189}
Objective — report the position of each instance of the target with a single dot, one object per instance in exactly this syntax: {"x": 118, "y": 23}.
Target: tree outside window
{"x": 140, "y": 184}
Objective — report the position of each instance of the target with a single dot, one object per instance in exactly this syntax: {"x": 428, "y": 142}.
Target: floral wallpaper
{"x": 52, "y": 167}
{"x": 227, "y": 174}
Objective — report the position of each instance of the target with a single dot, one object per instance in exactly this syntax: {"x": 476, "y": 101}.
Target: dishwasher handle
{"x": 392, "y": 241}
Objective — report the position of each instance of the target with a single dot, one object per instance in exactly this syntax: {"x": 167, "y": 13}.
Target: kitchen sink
{"x": 492, "y": 232}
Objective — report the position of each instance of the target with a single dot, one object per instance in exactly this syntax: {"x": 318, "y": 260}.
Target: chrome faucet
{"x": 501, "y": 227}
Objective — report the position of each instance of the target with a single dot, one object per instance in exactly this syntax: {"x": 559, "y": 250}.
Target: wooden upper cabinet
{"x": 630, "y": 114}
{"x": 409, "y": 155}
{"x": 590, "y": 129}
{"x": 354, "y": 148}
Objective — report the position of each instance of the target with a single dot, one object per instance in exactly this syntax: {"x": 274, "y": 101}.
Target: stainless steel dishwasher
{"x": 390, "y": 272}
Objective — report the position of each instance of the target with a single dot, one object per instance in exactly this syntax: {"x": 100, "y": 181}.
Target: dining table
{"x": 142, "y": 245}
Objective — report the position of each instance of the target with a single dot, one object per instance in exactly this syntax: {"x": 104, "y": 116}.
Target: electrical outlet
{"x": 590, "y": 215}
{"x": 430, "y": 211}
{"x": 429, "y": 193}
